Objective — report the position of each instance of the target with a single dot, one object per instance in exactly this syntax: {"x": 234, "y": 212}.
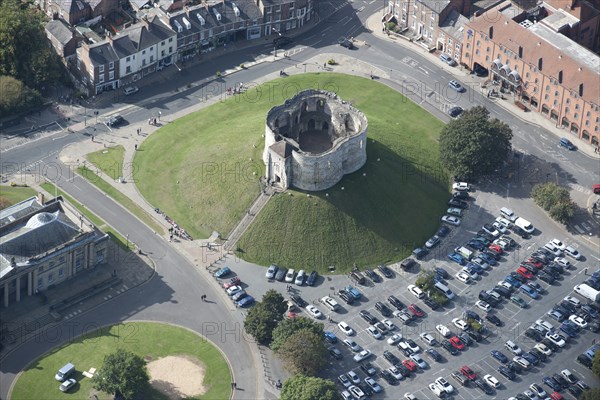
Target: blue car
{"x": 529, "y": 291}
{"x": 223, "y": 272}
{"x": 442, "y": 272}
{"x": 531, "y": 358}
{"x": 498, "y": 355}
{"x": 476, "y": 244}
{"x": 246, "y": 302}
{"x": 354, "y": 292}
{"x": 568, "y": 329}
{"x": 512, "y": 281}
{"x": 552, "y": 383}
{"x": 488, "y": 259}
{"x": 457, "y": 258}
{"x": 475, "y": 266}
{"x": 330, "y": 337}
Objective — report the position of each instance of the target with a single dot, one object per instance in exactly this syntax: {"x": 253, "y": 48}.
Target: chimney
{"x": 40, "y": 197}
{"x": 109, "y": 37}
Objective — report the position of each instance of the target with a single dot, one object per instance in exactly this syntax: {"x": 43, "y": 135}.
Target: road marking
{"x": 515, "y": 326}
{"x": 586, "y": 226}
{"x": 578, "y": 229}
{"x": 446, "y": 313}
{"x": 360, "y": 9}
{"x": 60, "y": 137}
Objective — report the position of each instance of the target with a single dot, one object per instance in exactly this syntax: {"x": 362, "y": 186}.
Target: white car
{"x": 233, "y": 290}
{"x": 545, "y": 324}
{"x": 344, "y": 327}
{"x": 555, "y": 338}
{"x": 300, "y": 277}
{"x": 504, "y": 222}
{"x": 577, "y": 320}
{"x": 505, "y": 285}
{"x": 289, "y": 277}
{"x": 568, "y": 375}
{"x": 457, "y": 212}
{"x": 463, "y": 277}
{"x": 410, "y": 345}
{"x": 572, "y": 252}
{"x": 451, "y": 219}
{"x": 374, "y": 332}
{"x": 417, "y": 292}
{"x": 471, "y": 272}
{"x": 373, "y": 385}
{"x": 499, "y": 227}
{"x": 363, "y": 355}
{"x": 573, "y": 300}
{"x": 563, "y": 262}
{"x": 357, "y": 393}
{"x": 419, "y": 361}
{"x": 542, "y": 348}
{"x": 461, "y": 186}
{"x": 67, "y": 384}
{"x": 344, "y": 381}
{"x": 130, "y": 90}
{"x": 352, "y": 345}
{"x": 538, "y": 390}
{"x": 353, "y": 377}
{"x": 553, "y": 249}
{"x": 389, "y": 324}
{"x": 444, "y": 385}
{"x": 491, "y": 230}
{"x": 270, "y": 274}
{"x": 314, "y": 311}
{"x": 438, "y": 391}
{"x": 409, "y": 396}
{"x": 396, "y": 373}
{"x": 428, "y": 338}
{"x": 522, "y": 362}
{"x": 482, "y": 305}
{"x": 513, "y": 347}
{"x": 481, "y": 262}
{"x": 492, "y": 381}
{"x": 460, "y": 324}
{"x": 558, "y": 244}
{"x": 394, "y": 339}
{"x": 443, "y": 330}
{"x": 504, "y": 244}
{"x": 346, "y": 395}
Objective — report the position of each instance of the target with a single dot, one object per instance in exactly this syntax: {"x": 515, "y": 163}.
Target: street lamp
{"x": 84, "y": 112}
{"x": 275, "y": 43}
{"x": 96, "y": 114}
{"x": 127, "y": 236}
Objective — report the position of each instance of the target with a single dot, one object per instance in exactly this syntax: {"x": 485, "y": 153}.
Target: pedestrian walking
{"x": 585, "y": 271}
{"x": 135, "y": 147}
{"x": 234, "y": 386}
{"x": 596, "y": 150}
{"x": 159, "y": 115}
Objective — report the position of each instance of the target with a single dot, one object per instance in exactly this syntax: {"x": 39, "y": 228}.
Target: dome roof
{"x": 41, "y": 219}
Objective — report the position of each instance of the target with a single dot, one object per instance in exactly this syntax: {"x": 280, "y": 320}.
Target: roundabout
{"x": 180, "y": 364}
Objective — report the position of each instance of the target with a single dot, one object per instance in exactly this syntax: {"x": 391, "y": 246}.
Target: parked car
{"x": 447, "y": 59}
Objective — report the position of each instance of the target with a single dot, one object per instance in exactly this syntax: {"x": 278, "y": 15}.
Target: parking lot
{"x": 483, "y": 208}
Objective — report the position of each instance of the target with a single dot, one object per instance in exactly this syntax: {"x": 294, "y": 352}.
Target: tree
{"x": 426, "y": 282}
{"x": 300, "y": 387}
{"x": 16, "y": 96}
{"x": 474, "y": 145}
{"x": 303, "y": 353}
{"x": 274, "y": 300}
{"x": 260, "y": 323}
{"x": 591, "y": 394}
{"x": 122, "y": 372}
{"x": 596, "y": 365}
{"x": 554, "y": 199}
{"x": 288, "y": 327}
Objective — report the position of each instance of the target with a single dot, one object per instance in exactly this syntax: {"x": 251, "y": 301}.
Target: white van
{"x": 463, "y": 251}
{"x": 445, "y": 290}
{"x": 64, "y": 372}
{"x": 524, "y": 224}
{"x": 508, "y": 214}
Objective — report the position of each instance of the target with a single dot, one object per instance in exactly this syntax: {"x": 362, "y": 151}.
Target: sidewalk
{"x": 374, "y": 25}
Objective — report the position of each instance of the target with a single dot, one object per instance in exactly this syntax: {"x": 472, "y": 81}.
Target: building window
{"x": 487, "y": 50}
{"x": 478, "y": 43}
{"x": 61, "y": 272}
{"x": 111, "y": 65}
{"x": 143, "y": 62}
{"x": 170, "y": 49}
{"x": 50, "y": 277}
{"x": 128, "y": 59}
{"x": 101, "y": 79}
{"x": 78, "y": 263}
{"x": 151, "y": 48}
{"x": 162, "y": 43}
{"x": 101, "y": 69}
{"x": 556, "y": 93}
{"x": 170, "y": 40}
{"x": 575, "y": 116}
{"x": 151, "y": 59}
{"x": 527, "y": 75}
{"x": 568, "y": 101}
{"x": 143, "y": 52}
{"x": 547, "y": 87}
{"x": 111, "y": 75}
{"x": 128, "y": 70}
{"x": 162, "y": 53}
{"x": 555, "y": 102}
{"x": 100, "y": 256}
{"x": 546, "y": 97}
{"x": 61, "y": 259}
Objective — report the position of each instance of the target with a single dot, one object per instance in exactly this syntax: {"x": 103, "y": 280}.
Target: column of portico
{"x": 29, "y": 283}
{"x": 18, "y": 288}
{"x": 6, "y": 294}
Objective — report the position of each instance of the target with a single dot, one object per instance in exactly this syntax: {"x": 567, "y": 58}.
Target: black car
{"x": 507, "y": 373}
{"x": 533, "y": 334}
{"x": 476, "y": 336}
{"x": 115, "y": 120}
{"x": 454, "y": 112}
{"x": 529, "y": 268}
{"x": 521, "y": 232}
{"x": 539, "y": 354}
{"x": 443, "y": 231}
{"x": 484, "y": 387}
{"x": 541, "y": 258}
{"x": 484, "y": 296}
{"x": 348, "y": 299}
{"x": 461, "y": 196}
{"x": 591, "y": 311}
{"x": 584, "y": 360}
{"x": 387, "y": 375}
{"x": 395, "y": 302}
{"x": 469, "y": 314}
{"x": 550, "y": 344}
{"x": 430, "y": 303}
{"x": 575, "y": 391}
{"x": 458, "y": 204}
{"x": 281, "y": 41}
{"x": 561, "y": 380}
{"x": 502, "y": 291}
{"x": 549, "y": 279}
{"x": 532, "y": 358}
{"x": 388, "y": 355}
{"x": 386, "y": 271}
{"x": 312, "y": 278}
{"x": 568, "y": 306}
{"x": 345, "y": 43}
{"x": 493, "y": 254}
{"x": 368, "y": 317}
{"x": 420, "y": 252}
{"x": 448, "y": 346}
{"x": 383, "y": 309}
{"x": 494, "y": 319}
{"x": 518, "y": 277}
{"x": 372, "y": 275}
{"x": 434, "y": 354}
{"x": 299, "y": 301}
{"x": 335, "y": 353}
{"x": 280, "y": 275}
{"x": 442, "y": 272}
{"x": 368, "y": 368}
{"x": 366, "y": 389}
{"x": 466, "y": 339}
{"x": 513, "y": 366}
{"x": 405, "y": 372}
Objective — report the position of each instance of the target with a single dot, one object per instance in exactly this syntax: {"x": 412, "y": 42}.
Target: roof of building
{"x": 275, "y": 2}
{"x": 18, "y": 210}
{"x": 558, "y": 52}
{"x": 454, "y": 24}
{"x": 60, "y": 30}
{"x": 435, "y": 5}
{"x": 102, "y": 53}
{"x": 202, "y": 18}
{"x": 559, "y": 19}
{"x": 282, "y": 148}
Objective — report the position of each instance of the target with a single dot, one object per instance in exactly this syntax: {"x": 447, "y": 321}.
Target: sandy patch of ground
{"x": 177, "y": 376}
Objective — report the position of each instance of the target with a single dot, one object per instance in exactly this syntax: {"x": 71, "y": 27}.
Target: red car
{"x": 495, "y": 248}
{"x": 524, "y": 273}
{"x": 535, "y": 263}
{"x": 457, "y": 343}
{"x": 292, "y": 315}
{"x": 232, "y": 282}
{"x": 416, "y": 310}
{"x": 468, "y": 373}
{"x": 410, "y": 365}
{"x": 556, "y": 396}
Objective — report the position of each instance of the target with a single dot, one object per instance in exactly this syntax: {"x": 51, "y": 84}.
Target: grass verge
{"x": 109, "y": 161}
{"x": 10, "y": 195}
{"x": 149, "y": 340}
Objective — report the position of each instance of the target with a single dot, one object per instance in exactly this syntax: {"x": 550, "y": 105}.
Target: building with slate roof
{"x": 45, "y": 244}
{"x": 63, "y": 38}
{"x": 76, "y": 11}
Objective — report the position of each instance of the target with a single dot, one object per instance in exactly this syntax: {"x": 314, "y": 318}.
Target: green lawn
{"x": 150, "y": 340}
{"x": 109, "y": 161}
{"x": 10, "y": 195}
{"x": 198, "y": 170}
